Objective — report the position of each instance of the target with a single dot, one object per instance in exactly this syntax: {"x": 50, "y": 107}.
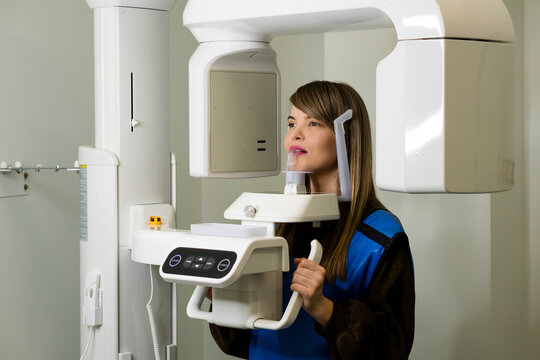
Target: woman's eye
{"x": 291, "y": 125}
{"x": 314, "y": 123}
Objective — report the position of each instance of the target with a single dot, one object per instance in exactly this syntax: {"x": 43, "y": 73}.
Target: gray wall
{"x": 531, "y": 175}
{"x": 476, "y": 256}
{"x": 46, "y": 112}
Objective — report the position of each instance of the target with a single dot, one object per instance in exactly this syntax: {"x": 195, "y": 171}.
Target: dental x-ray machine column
{"x": 444, "y": 124}
{"x": 129, "y": 165}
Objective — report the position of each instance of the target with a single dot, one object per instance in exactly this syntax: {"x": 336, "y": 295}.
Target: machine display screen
{"x": 199, "y": 262}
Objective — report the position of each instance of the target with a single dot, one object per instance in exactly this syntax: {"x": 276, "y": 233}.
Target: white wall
{"x": 46, "y": 112}
{"x": 477, "y": 273}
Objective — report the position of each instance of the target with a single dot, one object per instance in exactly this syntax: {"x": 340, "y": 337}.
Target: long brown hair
{"x": 325, "y": 101}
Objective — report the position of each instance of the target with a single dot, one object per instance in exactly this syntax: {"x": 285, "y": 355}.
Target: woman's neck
{"x": 327, "y": 182}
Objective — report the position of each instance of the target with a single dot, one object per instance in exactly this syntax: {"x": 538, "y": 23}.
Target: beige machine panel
{"x": 479, "y": 142}
{"x": 244, "y": 128}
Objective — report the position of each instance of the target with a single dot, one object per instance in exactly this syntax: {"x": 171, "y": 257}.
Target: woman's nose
{"x": 297, "y": 133}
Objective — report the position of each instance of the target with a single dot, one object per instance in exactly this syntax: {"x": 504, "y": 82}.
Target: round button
{"x": 224, "y": 265}
{"x": 250, "y": 211}
{"x": 175, "y": 260}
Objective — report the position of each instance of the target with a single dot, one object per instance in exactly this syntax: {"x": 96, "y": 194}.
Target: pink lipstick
{"x": 297, "y": 150}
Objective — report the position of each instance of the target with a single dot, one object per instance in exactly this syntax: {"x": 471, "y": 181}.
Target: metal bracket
{"x": 14, "y": 184}
{"x": 14, "y": 178}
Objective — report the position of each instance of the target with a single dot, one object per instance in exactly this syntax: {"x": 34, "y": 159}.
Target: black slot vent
{"x": 131, "y": 122}
{"x": 261, "y": 149}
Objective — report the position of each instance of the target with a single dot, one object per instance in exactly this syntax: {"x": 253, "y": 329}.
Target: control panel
{"x": 207, "y": 263}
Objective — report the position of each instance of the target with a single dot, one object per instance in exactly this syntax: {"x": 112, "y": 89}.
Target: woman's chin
{"x": 301, "y": 168}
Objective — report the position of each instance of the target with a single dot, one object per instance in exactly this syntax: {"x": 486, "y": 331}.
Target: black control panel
{"x": 199, "y": 262}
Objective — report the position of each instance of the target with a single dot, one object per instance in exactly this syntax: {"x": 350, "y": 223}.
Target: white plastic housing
{"x": 140, "y": 215}
{"x": 262, "y": 20}
{"x": 445, "y": 115}
{"x": 254, "y": 255}
{"x": 132, "y": 122}
{"x": 342, "y": 156}
{"x": 153, "y": 246}
{"x": 229, "y": 230}
{"x": 234, "y": 110}
{"x": 253, "y": 301}
{"x": 99, "y": 244}
{"x": 249, "y": 295}
{"x": 93, "y": 308}
{"x": 274, "y": 208}
{"x": 444, "y": 95}
{"x": 165, "y": 5}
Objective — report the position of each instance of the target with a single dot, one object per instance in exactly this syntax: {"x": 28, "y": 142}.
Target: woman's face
{"x": 312, "y": 143}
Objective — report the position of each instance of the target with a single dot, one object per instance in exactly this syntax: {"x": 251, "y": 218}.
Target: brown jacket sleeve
{"x": 382, "y": 325}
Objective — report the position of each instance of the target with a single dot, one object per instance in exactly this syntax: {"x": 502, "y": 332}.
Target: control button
{"x": 209, "y": 263}
{"x": 250, "y": 211}
{"x": 175, "y": 260}
{"x": 224, "y": 265}
{"x": 196, "y": 266}
{"x": 200, "y": 259}
{"x": 188, "y": 262}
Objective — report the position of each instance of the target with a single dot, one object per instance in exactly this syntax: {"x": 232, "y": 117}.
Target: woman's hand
{"x": 308, "y": 280}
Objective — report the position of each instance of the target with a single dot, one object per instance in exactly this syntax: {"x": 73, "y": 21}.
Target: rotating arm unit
{"x": 248, "y": 20}
{"x": 445, "y": 108}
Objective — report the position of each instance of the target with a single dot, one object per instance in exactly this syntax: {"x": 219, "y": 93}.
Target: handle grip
{"x": 295, "y": 302}
{"x": 194, "y": 305}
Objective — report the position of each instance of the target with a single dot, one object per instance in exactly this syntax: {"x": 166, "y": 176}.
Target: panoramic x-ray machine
{"x": 444, "y": 124}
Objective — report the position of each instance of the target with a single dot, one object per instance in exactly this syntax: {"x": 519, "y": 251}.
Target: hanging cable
{"x": 153, "y": 328}
{"x": 90, "y": 338}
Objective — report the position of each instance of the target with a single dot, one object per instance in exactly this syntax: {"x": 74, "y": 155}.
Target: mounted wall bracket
{"x": 13, "y": 182}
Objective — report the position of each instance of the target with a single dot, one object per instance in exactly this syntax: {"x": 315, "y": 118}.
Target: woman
{"x": 359, "y": 302}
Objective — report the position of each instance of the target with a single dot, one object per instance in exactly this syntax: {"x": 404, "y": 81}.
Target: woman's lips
{"x": 297, "y": 150}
